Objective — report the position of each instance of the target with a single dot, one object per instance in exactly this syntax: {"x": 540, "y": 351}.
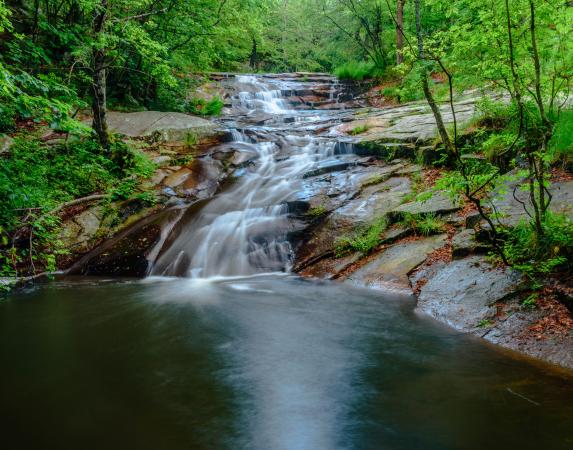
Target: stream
{"x": 221, "y": 348}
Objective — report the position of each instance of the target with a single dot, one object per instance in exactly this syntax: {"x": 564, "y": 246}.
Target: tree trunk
{"x": 400, "y": 31}
{"x": 99, "y": 104}
{"x": 254, "y": 59}
{"x": 426, "y": 87}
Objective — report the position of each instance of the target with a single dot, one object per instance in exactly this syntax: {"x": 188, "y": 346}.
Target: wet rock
{"x": 244, "y": 158}
{"x": 132, "y": 251}
{"x": 361, "y": 209}
{"x": 412, "y": 123}
{"x": 391, "y": 268}
{"x": 438, "y": 203}
{"x": 177, "y": 178}
{"x": 328, "y": 166}
{"x": 512, "y": 211}
{"x": 198, "y": 180}
{"x": 464, "y": 243}
{"x": 328, "y": 266}
{"x": 162, "y": 126}
{"x": 513, "y": 330}
{"x": 79, "y": 232}
{"x": 463, "y": 293}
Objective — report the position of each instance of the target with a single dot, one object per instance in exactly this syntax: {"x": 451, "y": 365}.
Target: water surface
{"x": 268, "y": 362}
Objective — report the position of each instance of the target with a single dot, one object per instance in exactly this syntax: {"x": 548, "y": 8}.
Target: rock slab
{"x": 463, "y": 293}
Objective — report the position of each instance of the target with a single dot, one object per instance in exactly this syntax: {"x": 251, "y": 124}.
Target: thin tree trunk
{"x": 400, "y": 31}
{"x": 537, "y": 64}
{"x": 99, "y": 104}
{"x": 426, "y": 87}
{"x": 254, "y": 59}
{"x": 540, "y": 163}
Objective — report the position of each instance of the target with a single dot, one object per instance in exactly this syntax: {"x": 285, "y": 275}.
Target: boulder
{"x": 162, "y": 126}
{"x": 132, "y": 251}
{"x": 463, "y": 293}
{"x": 412, "y": 123}
{"x": 438, "y": 203}
{"x": 79, "y": 232}
{"x": 391, "y": 268}
{"x": 464, "y": 243}
{"x": 371, "y": 203}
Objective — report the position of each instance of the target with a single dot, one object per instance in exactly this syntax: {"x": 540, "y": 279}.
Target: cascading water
{"x": 244, "y": 230}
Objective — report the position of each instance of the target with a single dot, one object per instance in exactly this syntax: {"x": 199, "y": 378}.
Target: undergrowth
{"x": 36, "y": 179}
{"x": 364, "y": 240}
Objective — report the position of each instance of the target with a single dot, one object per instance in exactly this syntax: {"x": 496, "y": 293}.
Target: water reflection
{"x": 265, "y": 362}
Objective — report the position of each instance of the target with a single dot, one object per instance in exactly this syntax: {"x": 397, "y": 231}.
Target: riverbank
{"x": 364, "y": 209}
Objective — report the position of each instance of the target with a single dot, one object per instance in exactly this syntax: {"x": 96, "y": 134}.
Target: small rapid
{"x": 245, "y": 229}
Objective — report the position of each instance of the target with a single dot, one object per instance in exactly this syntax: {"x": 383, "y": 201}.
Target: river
{"x": 236, "y": 353}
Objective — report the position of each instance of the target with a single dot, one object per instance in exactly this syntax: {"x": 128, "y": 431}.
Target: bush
{"x": 356, "y": 71}
{"x": 7, "y": 118}
{"x": 202, "y": 107}
{"x": 561, "y": 144}
{"x": 40, "y": 176}
{"x": 535, "y": 255}
{"x": 496, "y": 146}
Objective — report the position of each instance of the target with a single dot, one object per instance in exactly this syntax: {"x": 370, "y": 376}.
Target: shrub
{"x": 202, "y": 107}
{"x": 40, "y": 176}
{"x": 7, "y": 118}
{"x": 561, "y": 144}
{"x": 356, "y": 71}
{"x": 534, "y": 255}
{"x": 496, "y": 145}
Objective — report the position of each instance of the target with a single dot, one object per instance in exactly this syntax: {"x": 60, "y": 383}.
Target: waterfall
{"x": 244, "y": 229}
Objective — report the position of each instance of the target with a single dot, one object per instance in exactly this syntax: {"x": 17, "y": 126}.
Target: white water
{"x": 244, "y": 230}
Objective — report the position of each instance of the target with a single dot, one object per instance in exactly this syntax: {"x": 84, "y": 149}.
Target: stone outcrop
{"x": 162, "y": 126}
{"x": 463, "y": 293}
{"x": 472, "y": 296}
{"x": 390, "y": 269}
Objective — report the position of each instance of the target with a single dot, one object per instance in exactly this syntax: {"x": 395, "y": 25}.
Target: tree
{"x": 400, "y": 4}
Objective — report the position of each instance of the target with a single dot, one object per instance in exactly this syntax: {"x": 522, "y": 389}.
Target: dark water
{"x": 261, "y": 363}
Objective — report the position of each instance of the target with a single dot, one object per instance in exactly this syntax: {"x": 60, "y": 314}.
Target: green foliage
{"x": 359, "y": 129}
{"x": 561, "y": 144}
{"x": 7, "y": 118}
{"x": 537, "y": 255}
{"x": 42, "y": 177}
{"x": 365, "y": 240}
{"x": 497, "y": 145}
{"x": 356, "y": 71}
{"x": 37, "y": 178}
{"x": 317, "y": 211}
{"x": 484, "y": 323}
{"x": 203, "y": 107}
{"x": 41, "y": 98}
{"x": 530, "y": 302}
{"x": 424, "y": 224}
{"x": 478, "y": 173}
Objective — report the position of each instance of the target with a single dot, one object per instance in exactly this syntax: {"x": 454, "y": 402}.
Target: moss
{"x": 318, "y": 211}
{"x": 359, "y": 129}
